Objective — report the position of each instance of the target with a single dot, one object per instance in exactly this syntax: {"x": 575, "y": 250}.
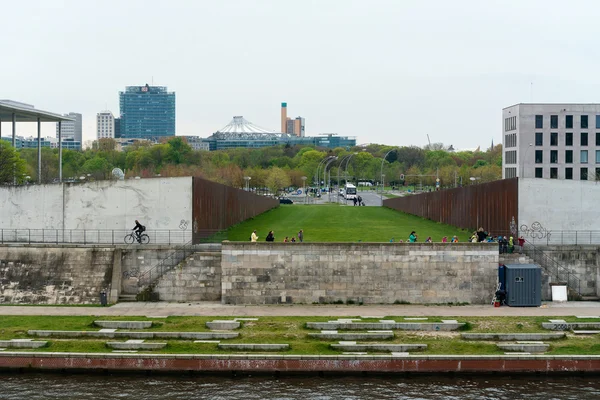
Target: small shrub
{"x": 466, "y": 327}
{"x": 338, "y": 302}
{"x": 401, "y": 302}
{"x": 519, "y": 326}
{"x": 349, "y": 301}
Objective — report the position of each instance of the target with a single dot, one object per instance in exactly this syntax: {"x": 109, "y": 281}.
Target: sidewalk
{"x": 218, "y": 309}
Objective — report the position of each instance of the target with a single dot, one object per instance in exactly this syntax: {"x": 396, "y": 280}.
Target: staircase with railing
{"x": 555, "y": 269}
{"x": 149, "y": 278}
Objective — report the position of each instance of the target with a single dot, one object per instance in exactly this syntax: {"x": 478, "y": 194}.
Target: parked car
{"x": 285, "y": 200}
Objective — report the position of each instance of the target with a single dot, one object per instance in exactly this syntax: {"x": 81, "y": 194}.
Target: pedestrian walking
{"x": 301, "y": 236}
{"x": 413, "y": 237}
{"x": 270, "y": 237}
{"x": 254, "y": 236}
{"x": 521, "y": 241}
{"x": 360, "y": 203}
{"x": 354, "y": 200}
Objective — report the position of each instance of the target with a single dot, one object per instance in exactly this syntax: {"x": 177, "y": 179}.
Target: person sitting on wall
{"x": 270, "y": 237}
{"x": 138, "y": 229}
{"x": 254, "y": 237}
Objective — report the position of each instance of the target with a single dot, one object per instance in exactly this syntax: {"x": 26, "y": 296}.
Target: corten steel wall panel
{"x": 489, "y": 205}
{"x": 216, "y": 207}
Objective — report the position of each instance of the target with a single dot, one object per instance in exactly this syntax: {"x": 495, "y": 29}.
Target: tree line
{"x": 270, "y": 167}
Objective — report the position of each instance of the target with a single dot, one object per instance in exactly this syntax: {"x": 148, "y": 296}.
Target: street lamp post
{"x": 331, "y": 159}
{"x": 304, "y": 188}
{"x": 247, "y": 179}
{"x": 381, "y": 173}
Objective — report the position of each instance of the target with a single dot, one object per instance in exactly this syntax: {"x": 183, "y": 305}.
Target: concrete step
{"x": 124, "y": 324}
{"x": 590, "y": 298}
{"x": 350, "y": 346}
{"x": 124, "y": 298}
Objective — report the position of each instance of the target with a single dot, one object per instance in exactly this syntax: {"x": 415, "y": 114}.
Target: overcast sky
{"x": 386, "y": 71}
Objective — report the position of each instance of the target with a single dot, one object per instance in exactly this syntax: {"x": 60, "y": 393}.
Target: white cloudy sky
{"x": 386, "y": 71}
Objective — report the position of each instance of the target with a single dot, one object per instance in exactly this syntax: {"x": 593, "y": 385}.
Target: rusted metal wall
{"x": 216, "y": 207}
{"x": 491, "y": 206}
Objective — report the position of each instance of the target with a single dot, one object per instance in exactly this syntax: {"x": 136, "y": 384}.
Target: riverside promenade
{"x": 346, "y": 363}
{"x": 150, "y": 309}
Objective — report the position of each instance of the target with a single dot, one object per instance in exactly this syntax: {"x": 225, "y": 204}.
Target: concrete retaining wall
{"x": 261, "y": 273}
{"x": 159, "y": 203}
{"x": 54, "y": 275}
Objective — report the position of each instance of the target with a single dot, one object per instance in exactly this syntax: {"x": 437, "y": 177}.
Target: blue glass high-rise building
{"x": 147, "y": 112}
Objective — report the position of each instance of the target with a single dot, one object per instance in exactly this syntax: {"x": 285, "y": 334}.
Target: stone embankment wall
{"x": 261, "y": 273}
{"x": 583, "y": 261}
{"x": 197, "y": 278}
{"x": 54, "y": 275}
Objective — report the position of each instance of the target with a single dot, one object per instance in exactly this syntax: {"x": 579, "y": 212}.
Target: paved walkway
{"x": 218, "y": 309}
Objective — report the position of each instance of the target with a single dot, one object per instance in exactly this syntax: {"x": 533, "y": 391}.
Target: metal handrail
{"x": 89, "y": 236}
{"x": 553, "y": 267}
{"x": 149, "y": 277}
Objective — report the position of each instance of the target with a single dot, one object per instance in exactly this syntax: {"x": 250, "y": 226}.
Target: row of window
{"x": 510, "y": 157}
{"x": 583, "y": 173}
{"x": 510, "y": 124}
{"x": 583, "y": 122}
{"x": 583, "y": 139}
{"x": 583, "y": 157}
{"x": 510, "y": 140}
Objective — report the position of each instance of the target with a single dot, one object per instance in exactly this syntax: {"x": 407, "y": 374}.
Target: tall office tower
{"x": 147, "y": 112}
{"x": 283, "y": 117}
{"x": 105, "y": 125}
{"x": 71, "y": 129}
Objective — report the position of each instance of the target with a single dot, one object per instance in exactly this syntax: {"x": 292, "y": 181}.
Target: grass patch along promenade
{"x": 294, "y": 331}
{"x": 333, "y": 223}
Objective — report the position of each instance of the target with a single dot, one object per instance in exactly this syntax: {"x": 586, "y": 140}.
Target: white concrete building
{"x": 552, "y": 141}
{"x": 71, "y": 129}
{"x": 105, "y": 125}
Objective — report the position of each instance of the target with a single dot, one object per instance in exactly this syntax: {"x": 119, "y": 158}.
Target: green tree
{"x": 12, "y": 166}
{"x": 277, "y": 180}
{"x": 97, "y": 167}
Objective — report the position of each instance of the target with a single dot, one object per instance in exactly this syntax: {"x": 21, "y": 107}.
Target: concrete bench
{"x": 137, "y": 335}
{"x": 23, "y": 343}
{"x": 568, "y": 326}
{"x": 124, "y": 324}
{"x": 135, "y": 345}
{"x": 407, "y": 326}
{"x": 513, "y": 336}
{"x": 352, "y": 336}
{"x": 395, "y": 348}
{"x": 524, "y": 347}
{"x": 222, "y": 325}
{"x": 584, "y": 332}
{"x": 253, "y": 346}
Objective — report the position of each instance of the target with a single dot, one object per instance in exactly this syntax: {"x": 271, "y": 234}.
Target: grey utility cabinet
{"x": 523, "y": 285}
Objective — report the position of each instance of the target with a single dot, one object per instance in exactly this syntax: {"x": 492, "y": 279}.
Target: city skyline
{"x": 386, "y": 72}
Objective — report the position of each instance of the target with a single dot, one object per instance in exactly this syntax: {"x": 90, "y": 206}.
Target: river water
{"x": 62, "y": 386}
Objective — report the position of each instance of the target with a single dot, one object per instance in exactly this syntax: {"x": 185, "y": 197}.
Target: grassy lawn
{"x": 293, "y": 331}
{"x": 333, "y": 223}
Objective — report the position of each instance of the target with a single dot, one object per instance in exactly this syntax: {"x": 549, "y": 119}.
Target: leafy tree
{"x": 97, "y": 167}
{"x": 12, "y": 166}
{"x": 277, "y": 180}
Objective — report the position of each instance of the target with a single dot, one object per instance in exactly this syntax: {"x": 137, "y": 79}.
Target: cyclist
{"x": 138, "y": 229}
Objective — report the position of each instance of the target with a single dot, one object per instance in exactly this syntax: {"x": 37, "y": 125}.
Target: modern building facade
{"x": 147, "y": 112}
{"x": 105, "y": 125}
{"x": 551, "y": 141}
{"x": 242, "y": 133}
{"x": 71, "y": 129}
{"x": 31, "y": 143}
{"x": 117, "y": 128}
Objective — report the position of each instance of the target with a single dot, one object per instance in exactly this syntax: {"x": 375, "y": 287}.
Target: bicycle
{"x": 132, "y": 237}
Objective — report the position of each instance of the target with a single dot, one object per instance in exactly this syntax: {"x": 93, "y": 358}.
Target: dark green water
{"x": 62, "y": 386}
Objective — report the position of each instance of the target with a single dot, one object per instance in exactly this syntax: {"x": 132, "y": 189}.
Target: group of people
{"x": 412, "y": 238}
{"x": 358, "y": 201}
{"x": 506, "y": 244}
{"x": 271, "y": 237}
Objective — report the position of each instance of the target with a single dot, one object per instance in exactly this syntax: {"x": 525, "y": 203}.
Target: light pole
{"x": 382, "y": 161}
{"x": 331, "y": 159}
{"x": 347, "y": 156}
{"x": 522, "y": 175}
{"x": 247, "y": 179}
{"x": 304, "y": 188}
{"x": 317, "y": 175}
